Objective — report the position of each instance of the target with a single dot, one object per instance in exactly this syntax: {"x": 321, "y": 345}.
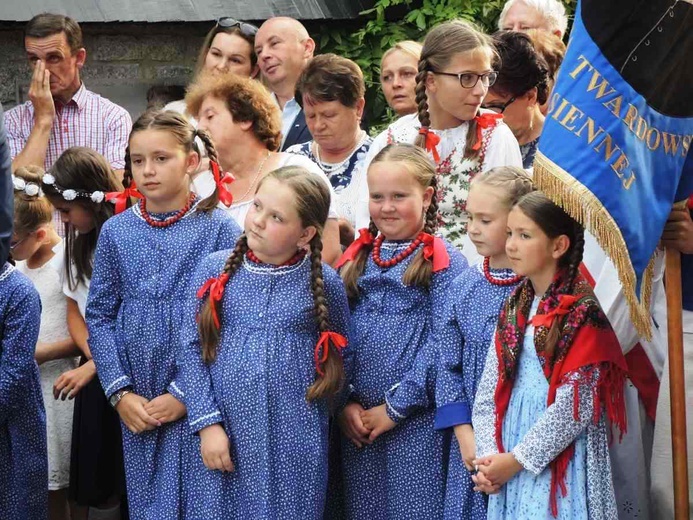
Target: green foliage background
{"x": 390, "y": 21}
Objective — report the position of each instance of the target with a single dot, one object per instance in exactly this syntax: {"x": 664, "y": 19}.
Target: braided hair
{"x": 312, "y": 200}
{"x": 419, "y": 271}
{"x": 554, "y": 222}
{"x": 510, "y": 182}
{"x": 442, "y": 43}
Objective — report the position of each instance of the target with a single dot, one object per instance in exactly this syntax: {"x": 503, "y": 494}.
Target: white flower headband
{"x": 70, "y": 195}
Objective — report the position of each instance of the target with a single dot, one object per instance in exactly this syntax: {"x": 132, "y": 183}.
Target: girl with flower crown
{"x": 397, "y": 274}
{"x": 144, "y": 257}
{"x": 263, "y": 360}
{"x": 455, "y": 72}
{"x": 552, "y": 378}
{"x": 77, "y": 186}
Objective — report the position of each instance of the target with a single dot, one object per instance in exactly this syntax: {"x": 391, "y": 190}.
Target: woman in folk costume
{"x": 553, "y": 377}
{"x": 397, "y": 275}
{"x": 142, "y": 267}
{"x": 455, "y": 72}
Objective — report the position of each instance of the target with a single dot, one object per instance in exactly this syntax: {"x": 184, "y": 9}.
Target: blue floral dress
{"x": 400, "y": 475}
{"x": 256, "y": 388}
{"x": 537, "y": 434}
{"x": 134, "y": 313}
{"x": 463, "y": 340}
{"x": 23, "y": 453}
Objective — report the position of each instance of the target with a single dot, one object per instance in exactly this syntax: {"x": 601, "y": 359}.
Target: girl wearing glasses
{"x": 228, "y": 47}
{"x": 455, "y": 72}
{"x": 520, "y": 90}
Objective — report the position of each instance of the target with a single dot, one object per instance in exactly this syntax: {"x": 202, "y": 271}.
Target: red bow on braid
{"x": 565, "y": 303}
{"x": 322, "y": 348}
{"x": 487, "y": 120}
{"x": 365, "y": 239}
{"x": 432, "y": 141}
{"x": 215, "y": 286}
{"x": 435, "y": 251}
{"x": 120, "y": 198}
{"x": 220, "y": 180}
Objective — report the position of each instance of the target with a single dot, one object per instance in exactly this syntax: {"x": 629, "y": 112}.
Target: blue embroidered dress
{"x": 400, "y": 475}
{"x": 463, "y": 340}
{"x": 134, "y": 313}
{"x": 536, "y": 434}
{"x": 23, "y": 454}
{"x": 256, "y": 388}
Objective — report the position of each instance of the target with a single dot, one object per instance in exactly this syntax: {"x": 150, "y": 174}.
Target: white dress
{"x": 203, "y": 185}
{"x": 46, "y": 279}
{"x": 499, "y": 148}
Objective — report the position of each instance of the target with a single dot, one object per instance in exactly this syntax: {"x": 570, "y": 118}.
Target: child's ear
{"x": 192, "y": 162}
{"x": 428, "y": 196}
{"x": 561, "y": 244}
{"x": 41, "y": 234}
{"x": 306, "y": 236}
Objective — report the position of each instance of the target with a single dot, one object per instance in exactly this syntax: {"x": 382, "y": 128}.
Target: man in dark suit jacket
{"x": 283, "y": 48}
{"x": 6, "y": 193}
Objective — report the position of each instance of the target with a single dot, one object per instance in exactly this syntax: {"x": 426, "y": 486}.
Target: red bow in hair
{"x": 435, "y": 251}
{"x": 565, "y": 302}
{"x": 215, "y": 286}
{"x": 432, "y": 141}
{"x": 484, "y": 121}
{"x": 322, "y": 348}
{"x": 120, "y": 198}
{"x": 365, "y": 239}
{"x": 220, "y": 180}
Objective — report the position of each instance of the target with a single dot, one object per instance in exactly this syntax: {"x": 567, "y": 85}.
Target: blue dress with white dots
{"x": 400, "y": 475}
{"x": 134, "y": 312}
{"x": 256, "y": 388}
{"x": 23, "y": 455}
{"x": 463, "y": 340}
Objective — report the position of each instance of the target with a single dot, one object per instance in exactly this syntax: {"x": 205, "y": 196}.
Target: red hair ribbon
{"x": 565, "y": 302}
{"x": 432, "y": 141}
{"x": 322, "y": 348}
{"x": 689, "y": 203}
{"x": 220, "y": 180}
{"x": 487, "y": 120}
{"x": 365, "y": 239}
{"x": 215, "y": 286}
{"x": 120, "y": 198}
{"x": 435, "y": 251}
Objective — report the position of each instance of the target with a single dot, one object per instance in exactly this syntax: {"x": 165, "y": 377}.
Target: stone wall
{"x": 123, "y": 60}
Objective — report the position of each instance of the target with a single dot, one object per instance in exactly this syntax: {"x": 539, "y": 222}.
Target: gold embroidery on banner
{"x": 581, "y": 204}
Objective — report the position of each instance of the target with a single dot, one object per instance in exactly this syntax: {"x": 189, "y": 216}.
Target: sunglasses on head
{"x": 247, "y": 29}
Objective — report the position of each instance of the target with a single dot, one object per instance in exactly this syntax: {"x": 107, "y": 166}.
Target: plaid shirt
{"x": 86, "y": 120}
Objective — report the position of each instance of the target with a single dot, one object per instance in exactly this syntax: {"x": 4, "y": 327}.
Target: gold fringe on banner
{"x": 583, "y": 206}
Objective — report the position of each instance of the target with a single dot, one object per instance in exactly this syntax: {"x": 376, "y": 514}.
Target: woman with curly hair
{"x": 245, "y": 124}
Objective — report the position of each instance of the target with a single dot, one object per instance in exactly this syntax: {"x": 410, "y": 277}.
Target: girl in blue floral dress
{"x": 474, "y": 301}
{"x": 142, "y": 267}
{"x": 23, "y": 456}
{"x": 553, "y": 376}
{"x": 397, "y": 274}
{"x": 265, "y": 367}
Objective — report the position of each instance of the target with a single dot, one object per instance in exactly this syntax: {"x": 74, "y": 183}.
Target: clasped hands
{"x": 493, "y": 471}
{"x": 363, "y": 426}
{"x": 140, "y": 414}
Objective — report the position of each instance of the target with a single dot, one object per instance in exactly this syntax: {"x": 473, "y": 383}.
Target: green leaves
{"x": 391, "y": 21}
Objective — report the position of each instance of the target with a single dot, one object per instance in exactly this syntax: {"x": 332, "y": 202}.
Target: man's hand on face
{"x": 40, "y": 94}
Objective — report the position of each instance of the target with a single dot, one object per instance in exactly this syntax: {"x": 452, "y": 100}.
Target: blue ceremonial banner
{"x": 615, "y": 144}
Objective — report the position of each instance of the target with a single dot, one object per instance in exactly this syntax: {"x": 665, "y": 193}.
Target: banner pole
{"x": 677, "y": 383}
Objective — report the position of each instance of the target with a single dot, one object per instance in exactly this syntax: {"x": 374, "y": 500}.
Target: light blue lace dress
{"x": 537, "y": 434}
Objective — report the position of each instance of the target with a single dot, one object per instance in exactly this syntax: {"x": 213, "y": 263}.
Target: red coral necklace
{"x": 170, "y": 220}
{"x": 399, "y": 256}
{"x": 499, "y": 281}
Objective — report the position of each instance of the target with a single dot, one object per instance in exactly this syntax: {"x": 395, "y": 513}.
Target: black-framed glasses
{"x": 499, "y": 109}
{"x": 247, "y": 29}
{"x": 14, "y": 244}
{"x": 470, "y": 79}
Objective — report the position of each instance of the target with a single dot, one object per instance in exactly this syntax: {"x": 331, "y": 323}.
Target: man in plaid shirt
{"x": 61, "y": 112}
